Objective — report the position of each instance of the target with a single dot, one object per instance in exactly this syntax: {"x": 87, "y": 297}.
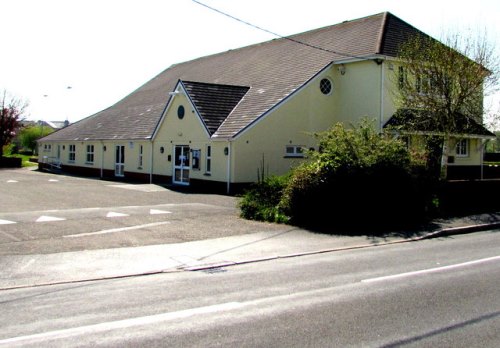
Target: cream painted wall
{"x": 358, "y": 93}
{"x": 306, "y": 112}
{"x": 188, "y": 131}
{"x": 105, "y": 159}
{"x": 474, "y": 157}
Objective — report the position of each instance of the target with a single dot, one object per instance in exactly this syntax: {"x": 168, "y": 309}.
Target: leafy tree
{"x": 29, "y": 136}
{"x": 11, "y": 112}
{"x": 441, "y": 86}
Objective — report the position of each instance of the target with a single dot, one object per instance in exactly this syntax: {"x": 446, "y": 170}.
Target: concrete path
{"x": 20, "y": 271}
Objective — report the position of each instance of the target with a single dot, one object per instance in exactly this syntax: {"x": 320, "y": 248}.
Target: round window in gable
{"x": 325, "y": 86}
{"x": 180, "y": 112}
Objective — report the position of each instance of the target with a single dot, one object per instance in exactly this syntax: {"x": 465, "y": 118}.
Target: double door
{"x": 181, "y": 164}
{"x": 120, "y": 160}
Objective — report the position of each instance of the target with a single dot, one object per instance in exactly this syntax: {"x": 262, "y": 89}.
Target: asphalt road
{"x": 440, "y": 292}
{"x": 46, "y": 213}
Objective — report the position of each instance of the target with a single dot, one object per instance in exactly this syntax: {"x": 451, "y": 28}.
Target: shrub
{"x": 357, "y": 179}
{"x": 260, "y": 202}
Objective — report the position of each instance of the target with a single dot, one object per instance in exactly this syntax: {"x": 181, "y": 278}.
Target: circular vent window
{"x": 180, "y": 112}
{"x": 325, "y": 85}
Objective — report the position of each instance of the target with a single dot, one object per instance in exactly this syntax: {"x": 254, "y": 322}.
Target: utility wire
{"x": 276, "y": 34}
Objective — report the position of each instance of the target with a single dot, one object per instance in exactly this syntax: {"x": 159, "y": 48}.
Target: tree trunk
{"x": 435, "y": 151}
{"x": 444, "y": 158}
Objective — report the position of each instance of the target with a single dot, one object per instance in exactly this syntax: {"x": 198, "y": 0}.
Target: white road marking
{"x": 431, "y": 270}
{"x": 121, "y": 229}
{"x": 157, "y": 211}
{"x": 113, "y": 214}
{"x": 45, "y": 218}
{"x": 141, "y": 187}
{"x": 123, "y": 324}
{"x": 11, "y": 181}
{"x": 6, "y": 222}
{"x": 53, "y": 180}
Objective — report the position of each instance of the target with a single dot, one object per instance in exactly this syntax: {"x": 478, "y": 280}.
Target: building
{"x": 218, "y": 120}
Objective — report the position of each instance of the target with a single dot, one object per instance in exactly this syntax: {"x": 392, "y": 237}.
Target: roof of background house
{"x": 423, "y": 121}
{"x": 51, "y": 124}
{"x": 272, "y": 69}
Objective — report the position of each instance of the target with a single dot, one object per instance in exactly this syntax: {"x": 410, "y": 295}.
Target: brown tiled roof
{"x": 214, "y": 102}
{"x": 272, "y": 70}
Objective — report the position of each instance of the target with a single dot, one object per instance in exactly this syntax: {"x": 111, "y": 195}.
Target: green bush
{"x": 357, "y": 179}
{"x": 260, "y": 202}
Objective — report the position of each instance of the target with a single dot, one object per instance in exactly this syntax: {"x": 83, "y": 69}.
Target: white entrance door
{"x": 181, "y": 165}
{"x": 120, "y": 160}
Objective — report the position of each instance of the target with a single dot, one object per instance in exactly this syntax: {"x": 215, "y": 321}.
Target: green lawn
{"x": 26, "y": 159}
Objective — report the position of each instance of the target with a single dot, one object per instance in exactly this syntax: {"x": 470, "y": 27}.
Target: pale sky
{"x": 105, "y": 49}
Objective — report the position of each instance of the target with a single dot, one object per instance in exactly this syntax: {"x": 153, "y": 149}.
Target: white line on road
{"x": 45, "y": 218}
{"x": 136, "y": 227}
{"x": 431, "y": 270}
{"x": 123, "y": 324}
{"x": 113, "y": 214}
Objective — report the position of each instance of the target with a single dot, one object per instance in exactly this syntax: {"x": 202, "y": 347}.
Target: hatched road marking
{"x": 53, "y": 215}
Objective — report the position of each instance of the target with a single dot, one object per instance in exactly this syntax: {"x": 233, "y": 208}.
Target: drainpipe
{"x": 102, "y": 159}
{"x": 228, "y": 189}
{"x": 382, "y": 82}
{"x": 151, "y": 162}
{"x": 483, "y": 145}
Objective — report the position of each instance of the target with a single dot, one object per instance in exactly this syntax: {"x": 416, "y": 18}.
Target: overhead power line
{"x": 276, "y": 34}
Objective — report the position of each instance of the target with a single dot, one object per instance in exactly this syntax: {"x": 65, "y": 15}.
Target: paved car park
{"x": 49, "y": 213}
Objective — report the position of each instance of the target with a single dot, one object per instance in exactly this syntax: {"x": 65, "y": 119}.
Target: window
{"x": 294, "y": 151}
{"x": 462, "y": 149}
{"x": 208, "y": 163}
{"x": 140, "y": 156}
{"x": 195, "y": 161}
{"x": 72, "y": 153}
{"x": 90, "y": 154}
{"x": 325, "y": 86}
{"x": 47, "y": 147}
{"x": 180, "y": 112}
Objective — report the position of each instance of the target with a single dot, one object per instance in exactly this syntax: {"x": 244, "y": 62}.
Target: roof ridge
{"x": 280, "y": 38}
{"x": 383, "y": 28}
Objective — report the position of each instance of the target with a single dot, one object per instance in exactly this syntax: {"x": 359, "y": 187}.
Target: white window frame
{"x": 462, "y": 148}
{"x": 296, "y": 151}
{"x": 195, "y": 159}
{"x": 89, "y": 158}
{"x": 71, "y": 153}
{"x": 208, "y": 160}
{"x": 141, "y": 152}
